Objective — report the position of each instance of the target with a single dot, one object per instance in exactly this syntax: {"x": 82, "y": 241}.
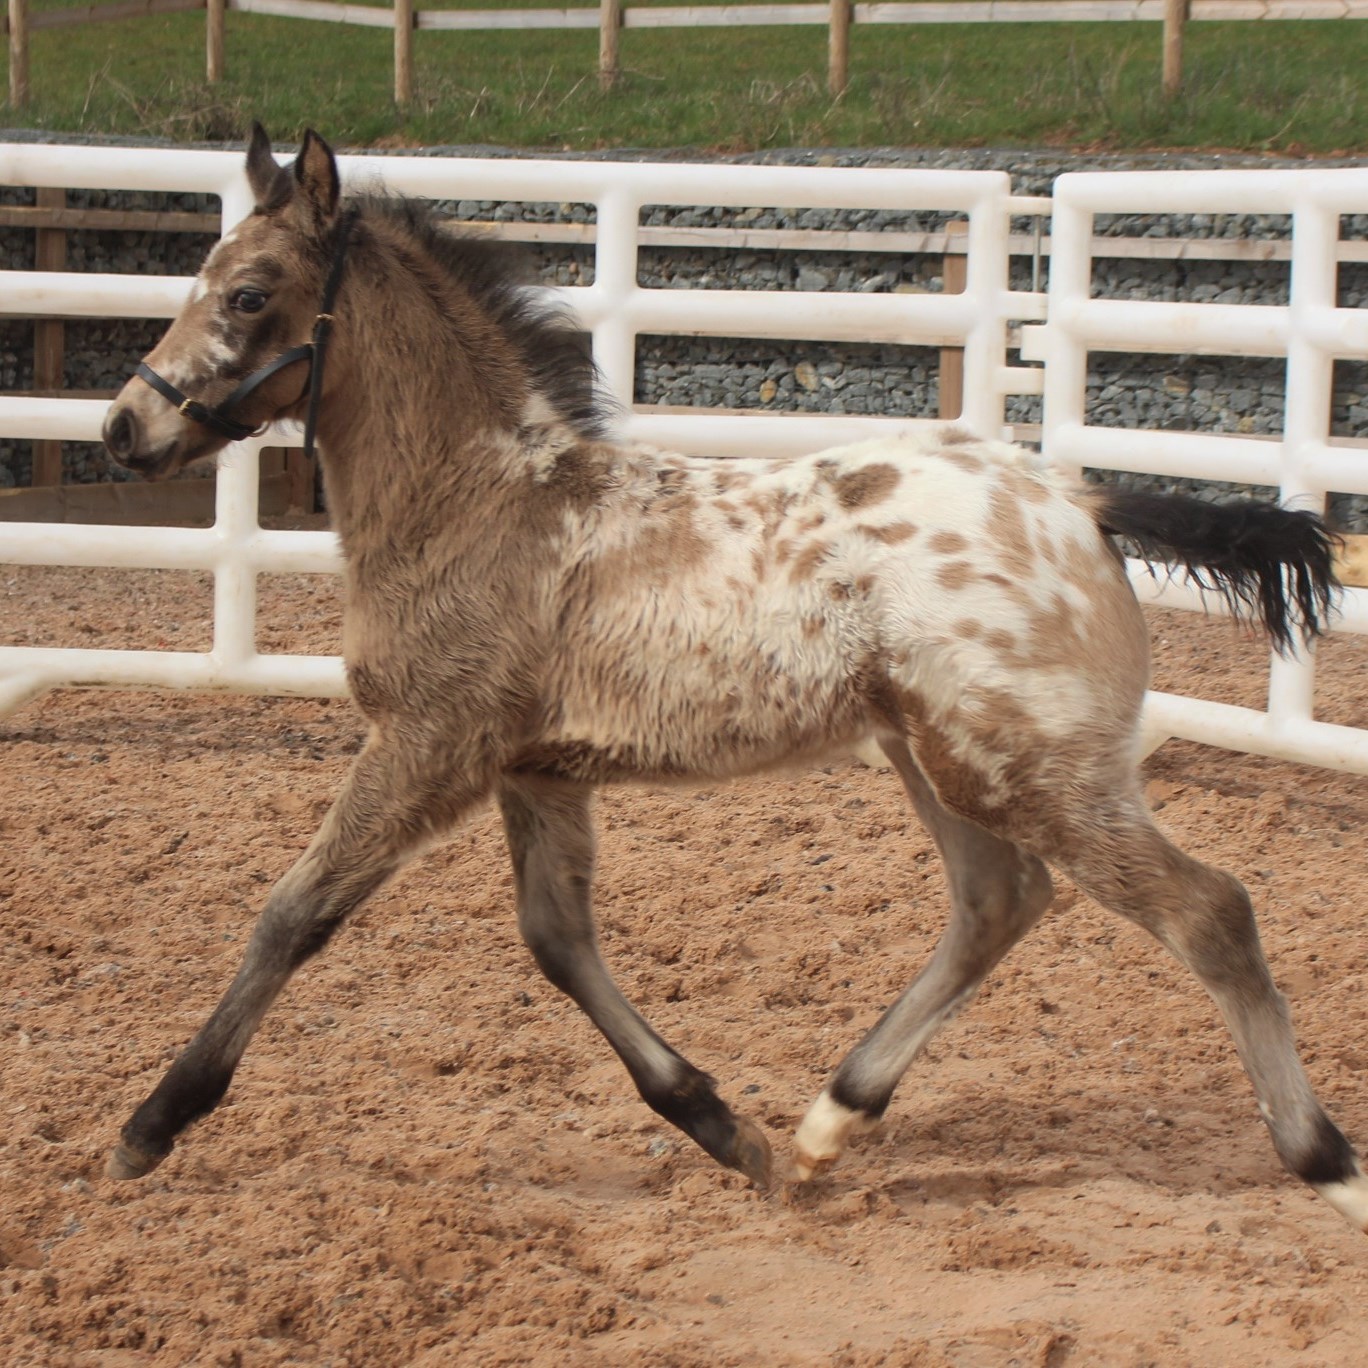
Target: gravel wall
{"x": 1204, "y": 394}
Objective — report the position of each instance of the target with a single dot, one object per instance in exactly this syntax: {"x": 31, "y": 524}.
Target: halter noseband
{"x": 312, "y": 351}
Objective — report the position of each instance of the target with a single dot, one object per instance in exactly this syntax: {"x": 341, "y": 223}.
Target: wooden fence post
{"x": 1175, "y": 20}
{"x": 18, "y": 54}
{"x": 838, "y": 47}
{"x": 403, "y": 52}
{"x": 213, "y": 40}
{"x": 610, "y": 26}
{"x": 954, "y": 275}
{"x": 49, "y": 339}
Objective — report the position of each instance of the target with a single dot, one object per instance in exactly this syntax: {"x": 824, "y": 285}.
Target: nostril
{"x": 120, "y": 434}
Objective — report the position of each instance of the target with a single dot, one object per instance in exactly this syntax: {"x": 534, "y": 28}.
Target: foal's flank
{"x": 534, "y": 609}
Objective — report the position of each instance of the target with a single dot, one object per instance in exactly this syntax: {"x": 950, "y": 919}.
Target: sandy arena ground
{"x": 430, "y": 1158}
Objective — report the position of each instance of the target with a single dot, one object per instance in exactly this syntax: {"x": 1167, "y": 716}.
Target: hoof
{"x": 751, "y": 1154}
{"x": 804, "y": 1167}
{"x": 1349, "y": 1198}
{"x": 125, "y": 1162}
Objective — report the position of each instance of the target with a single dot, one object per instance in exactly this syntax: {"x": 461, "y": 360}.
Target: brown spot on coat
{"x": 965, "y": 460}
{"x": 1027, "y": 485}
{"x": 869, "y": 484}
{"x": 806, "y": 563}
{"x": 890, "y": 533}
{"x": 1012, "y": 544}
{"x": 955, "y": 574}
{"x": 949, "y": 543}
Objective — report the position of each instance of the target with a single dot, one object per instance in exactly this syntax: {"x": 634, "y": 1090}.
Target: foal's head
{"x": 445, "y": 323}
{"x": 255, "y": 301}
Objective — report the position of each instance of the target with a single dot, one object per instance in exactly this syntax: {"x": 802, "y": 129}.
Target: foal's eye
{"x": 247, "y": 300}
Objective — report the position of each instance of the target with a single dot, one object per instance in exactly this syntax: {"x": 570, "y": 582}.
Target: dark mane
{"x": 497, "y": 274}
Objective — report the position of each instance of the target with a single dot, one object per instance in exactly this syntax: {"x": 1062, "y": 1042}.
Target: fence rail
{"x": 1060, "y": 329}
{"x": 610, "y": 16}
{"x": 287, "y": 483}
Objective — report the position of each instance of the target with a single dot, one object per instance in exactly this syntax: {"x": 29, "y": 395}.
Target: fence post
{"x": 838, "y": 47}
{"x": 18, "y": 54}
{"x": 954, "y": 277}
{"x": 48, "y": 338}
{"x": 610, "y": 26}
{"x": 1175, "y": 20}
{"x": 403, "y": 52}
{"x": 213, "y": 40}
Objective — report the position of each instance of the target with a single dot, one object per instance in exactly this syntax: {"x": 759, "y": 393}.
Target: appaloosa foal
{"x": 533, "y": 610}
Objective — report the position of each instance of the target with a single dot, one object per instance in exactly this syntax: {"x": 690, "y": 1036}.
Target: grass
{"x": 1275, "y": 87}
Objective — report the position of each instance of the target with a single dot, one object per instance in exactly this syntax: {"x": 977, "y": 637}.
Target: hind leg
{"x": 1204, "y": 917}
{"x": 997, "y": 893}
{"x": 550, "y": 839}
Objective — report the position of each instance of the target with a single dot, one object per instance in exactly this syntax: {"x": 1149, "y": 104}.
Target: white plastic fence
{"x": 616, "y": 309}
{"x": 1310, "y": 331}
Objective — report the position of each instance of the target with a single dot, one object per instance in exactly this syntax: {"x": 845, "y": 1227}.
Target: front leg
{"x": 551, "y": 841}
{"x": 393, "y": 801}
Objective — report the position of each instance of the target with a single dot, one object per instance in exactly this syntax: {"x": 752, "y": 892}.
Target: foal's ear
{"x": 315, "y": 173}
{"x": 269, "y": 181}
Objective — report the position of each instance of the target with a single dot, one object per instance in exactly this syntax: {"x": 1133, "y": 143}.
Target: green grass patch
{"x": 1277, "y": 87}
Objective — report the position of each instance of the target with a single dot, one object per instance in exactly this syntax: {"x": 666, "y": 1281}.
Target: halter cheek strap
{"x": 312, "y": 351}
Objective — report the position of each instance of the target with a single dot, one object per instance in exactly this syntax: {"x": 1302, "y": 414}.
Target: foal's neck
{"x": 418, "y": 426}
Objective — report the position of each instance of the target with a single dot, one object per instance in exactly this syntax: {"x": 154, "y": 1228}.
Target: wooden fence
{"x": 611, "y": 16}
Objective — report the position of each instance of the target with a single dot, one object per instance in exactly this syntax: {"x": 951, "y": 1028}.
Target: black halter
{"x": 312, "y": 351}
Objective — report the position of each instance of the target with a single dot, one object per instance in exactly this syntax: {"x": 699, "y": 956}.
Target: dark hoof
{"x": 126, "y": 1162}
{"x": 751, "y": 1154}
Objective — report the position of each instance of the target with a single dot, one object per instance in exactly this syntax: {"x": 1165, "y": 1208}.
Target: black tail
{"x": 1274, "y": 565}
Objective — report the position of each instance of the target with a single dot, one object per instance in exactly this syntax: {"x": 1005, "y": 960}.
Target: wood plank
{"x": 724, "y": 16}
{"x": 956, "y": 276}
{"x": 743, "y": 239}
{"x": 1351, "y": 562}
{"x": 482, "y": 20}
{"x": 369, "y": 15}
{"x": 132, "y": 503}
{"x": 403, "y": 52}
{"x": 924, "y": 243}
{"x": 108, "y": 220}
{"x": 49, "y": 338}
{"x": 610, "y": 32}
{"x": 838, "y": 47}
{"x": 213, "y": 42}
{"x": 17, "y": 26}
{"x": 102, "y": 14}
{"x": 58, "y": 394}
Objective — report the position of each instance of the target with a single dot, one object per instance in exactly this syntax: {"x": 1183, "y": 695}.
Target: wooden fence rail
{"x": 611, "y": 16}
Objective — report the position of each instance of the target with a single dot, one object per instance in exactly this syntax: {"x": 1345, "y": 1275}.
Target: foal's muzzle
{"x": 120, "y": 433}
{"x": 135, "y": 446}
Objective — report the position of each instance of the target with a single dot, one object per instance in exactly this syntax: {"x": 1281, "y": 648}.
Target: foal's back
{"x": 720, "y": 616}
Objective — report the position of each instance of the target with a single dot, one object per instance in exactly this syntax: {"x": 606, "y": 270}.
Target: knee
{"x": 1035, "y": 887}
{"x": 1216, "y": 933}
{"x": 1010, "y": 899}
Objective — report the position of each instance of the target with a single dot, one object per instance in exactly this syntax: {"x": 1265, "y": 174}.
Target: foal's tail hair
{"x": 1271, "y": 565}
